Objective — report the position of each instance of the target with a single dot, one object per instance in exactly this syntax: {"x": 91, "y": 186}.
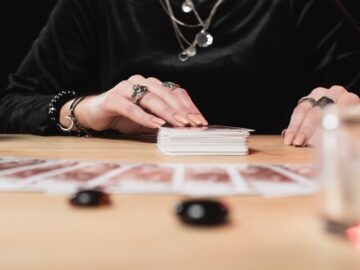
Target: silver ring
{"x": 307, "y": 99}
{"x": 139, "y": 91}
{"x": 170, "y": 85}
{"x": 323, "y": 102}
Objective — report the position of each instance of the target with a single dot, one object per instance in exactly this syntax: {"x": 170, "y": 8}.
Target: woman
{"x": 242, "y": 63}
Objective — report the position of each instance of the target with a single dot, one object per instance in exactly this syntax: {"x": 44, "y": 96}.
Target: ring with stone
{"x": 307, "y": 99}
{"x": 323, "y": 102}
{"x": 139, "y": 91}
{"x": 170, "y": 85}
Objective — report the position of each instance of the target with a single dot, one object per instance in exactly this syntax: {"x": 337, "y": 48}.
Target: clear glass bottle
{"x": 339, "y": 167}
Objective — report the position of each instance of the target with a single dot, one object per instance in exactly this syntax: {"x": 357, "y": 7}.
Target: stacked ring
{"x": 170, "y": 85}
{"x": 307, "y": 99}
{"x": 139, "y": 91}
{"x": 323, "y": 102}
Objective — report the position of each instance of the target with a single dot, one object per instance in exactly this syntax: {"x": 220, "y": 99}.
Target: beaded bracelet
{"x": 56, "y": 104}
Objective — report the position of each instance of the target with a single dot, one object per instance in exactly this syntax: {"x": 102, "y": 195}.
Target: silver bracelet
{"x": 81, "y": 131}
{"x": 72, "y": 123}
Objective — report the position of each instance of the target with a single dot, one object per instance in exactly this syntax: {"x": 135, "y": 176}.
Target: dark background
{"x": 22, "y": 20}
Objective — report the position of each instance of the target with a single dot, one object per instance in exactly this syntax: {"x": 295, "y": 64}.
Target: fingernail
{"x": 310, "y": 144}
{"x": 181, "y": 119}
{"x": 195, "y": 119}
{"x": 204, "y": 122}
{"x": 299, "y": 140}
{"x": 283, "y": 132}
{"x": 158, "y": 121}
{"x": 288, "y": 140}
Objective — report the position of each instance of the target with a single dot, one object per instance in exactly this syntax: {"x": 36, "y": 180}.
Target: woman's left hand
{"x": 305, "y": 117}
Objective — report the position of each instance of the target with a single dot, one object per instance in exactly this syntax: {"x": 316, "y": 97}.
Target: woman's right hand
{"x": 115, "y": 110}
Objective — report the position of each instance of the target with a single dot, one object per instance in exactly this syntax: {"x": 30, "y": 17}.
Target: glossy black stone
{"x": 202, "y": 212}
{"x": 90, "y": 198}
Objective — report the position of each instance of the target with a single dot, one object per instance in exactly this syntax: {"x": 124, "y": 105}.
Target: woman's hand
{"x": 304, "y": 119}
{"x": 115, "y": 110}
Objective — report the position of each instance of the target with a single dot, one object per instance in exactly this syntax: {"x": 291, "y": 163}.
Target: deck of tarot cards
{"x": 211, "y": 140}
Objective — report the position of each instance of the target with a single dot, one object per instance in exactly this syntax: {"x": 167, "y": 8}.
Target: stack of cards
{"x": 211, "y": 140}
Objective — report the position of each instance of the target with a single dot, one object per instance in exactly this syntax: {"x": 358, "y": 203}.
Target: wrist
{"x": 73, "y": 116}
{"x": 83, "y": 113}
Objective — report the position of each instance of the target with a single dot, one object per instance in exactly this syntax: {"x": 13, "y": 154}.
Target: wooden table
{"x": 39, "y": 231}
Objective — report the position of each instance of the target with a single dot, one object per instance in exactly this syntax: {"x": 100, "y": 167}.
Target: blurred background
{"x": 22, "y": 20}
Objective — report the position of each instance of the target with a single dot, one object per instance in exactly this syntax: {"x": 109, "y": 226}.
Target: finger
{"x": 312, "y": 117}
{"x": 307, "y": 129}
{"x": 187, "y": 101}
{"x": 166, "y": 95}
{"x": 347, "y": 100}
{"x": 138, "y": 115}
{"x": 155, "y": 80}
{"x": 299, "y": 114}
{"x": 336, "y": 92}
{"x": 125, "y": 89}
{"x": 185, "y": 98}
{"x": 157, "y": 106}
{"x": 118, "y": 104}
{"x": 311, "y": 142}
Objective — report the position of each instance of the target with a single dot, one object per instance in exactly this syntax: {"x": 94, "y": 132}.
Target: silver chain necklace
{"x": 202, "y": 39}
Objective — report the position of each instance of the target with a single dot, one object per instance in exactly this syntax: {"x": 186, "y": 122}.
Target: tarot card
{"x": 207, "y": 180}
{"x": 12, "y": 165}
{"x": 68, "y": 181}
{"x": 7, "y": 158}
{"x": 20, "y": 179}
{"x": 307, "y": 171}
{"x": 144, "y": 178}
{"x": 24, "y": 173}
{"x": 269, "y": 182}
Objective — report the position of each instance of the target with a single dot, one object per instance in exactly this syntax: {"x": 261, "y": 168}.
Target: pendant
{"x": 191, "y": 51}
{"x": 204, "y": 39}
{"x": 188, "y": 53}
{"x": 183, "y": 56}
{"x": 187, "y": 6}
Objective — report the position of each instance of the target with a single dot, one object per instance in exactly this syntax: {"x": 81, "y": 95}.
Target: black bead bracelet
{"x": 56, "y": 104}
{"x": 54, "y": 113}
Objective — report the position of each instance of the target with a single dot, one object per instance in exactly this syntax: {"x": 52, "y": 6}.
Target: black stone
{"x": 202, "y": 212}
{"x": 90, "y": 198}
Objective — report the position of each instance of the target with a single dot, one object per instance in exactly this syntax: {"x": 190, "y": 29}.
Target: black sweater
{"x": 266, "y": 55}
